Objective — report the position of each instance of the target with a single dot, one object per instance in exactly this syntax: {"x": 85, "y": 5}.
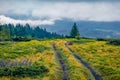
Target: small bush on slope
{"x": 114, "y": 42}
{"x": 23, "y": 71}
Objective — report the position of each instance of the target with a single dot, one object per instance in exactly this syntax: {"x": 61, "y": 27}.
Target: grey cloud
{"x": 47, "y": 10}
{"x": 59, "y": 1}
{"x": 81, "y": 0}
{"x": 7, "y": 20}
{"x": 73, "y": 0}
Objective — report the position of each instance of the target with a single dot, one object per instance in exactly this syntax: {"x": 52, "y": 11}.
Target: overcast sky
{"x": 45, "y": 12}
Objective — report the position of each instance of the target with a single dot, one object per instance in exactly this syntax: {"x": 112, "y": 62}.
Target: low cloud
{"x": 80, "y": 11}
{"x": 38, "y": 12}
{"x": 109, "y": 31}
{"x": 7, "y": 20}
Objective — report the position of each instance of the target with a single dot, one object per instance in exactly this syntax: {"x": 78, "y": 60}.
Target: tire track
{"x": 96, "y": 76}
{"x": 62, "y": 63}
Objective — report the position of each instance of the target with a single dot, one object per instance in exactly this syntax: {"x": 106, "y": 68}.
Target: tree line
{"x": 24, "y": 32}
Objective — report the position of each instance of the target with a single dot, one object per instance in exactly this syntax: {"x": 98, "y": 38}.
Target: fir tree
{"x": 74, "y": 31}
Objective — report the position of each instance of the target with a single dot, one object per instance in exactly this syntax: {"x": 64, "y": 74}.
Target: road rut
{"x": 62, "y": 63}
{"x": 96, "y": 76}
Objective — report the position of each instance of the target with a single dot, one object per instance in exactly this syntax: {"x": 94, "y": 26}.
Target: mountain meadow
{"x": 34, "y": 54}
{"x": 59, "y": 39}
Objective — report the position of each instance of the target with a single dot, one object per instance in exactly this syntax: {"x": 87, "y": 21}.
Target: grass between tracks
{"x": 103, "y": 57}
{"x": 76, "y": 71}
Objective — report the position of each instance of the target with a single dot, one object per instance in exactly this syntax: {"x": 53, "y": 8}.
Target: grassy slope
{"x": 40, "y": 52}
{"x": 103, "y": 57}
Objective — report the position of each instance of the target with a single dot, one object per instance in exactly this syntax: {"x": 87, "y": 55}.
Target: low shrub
{"x": 114, "y": 42}
{"x": 77, "y": 37}
{"x": 101, "y": 39}
{"x": 21, "y": 39}
{"x": 22, "y": 68}
{"x": 23, "y": 71}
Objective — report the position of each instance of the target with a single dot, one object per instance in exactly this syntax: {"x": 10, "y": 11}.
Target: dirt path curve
{"x": 97, "y": 77}
{"x": 61, "y": 61}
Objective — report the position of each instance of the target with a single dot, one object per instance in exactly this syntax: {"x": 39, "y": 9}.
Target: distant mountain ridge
{"x": 87, "y": 28}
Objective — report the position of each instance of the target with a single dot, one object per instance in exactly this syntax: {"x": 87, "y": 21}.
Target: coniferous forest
{"x": 24, "y": 32}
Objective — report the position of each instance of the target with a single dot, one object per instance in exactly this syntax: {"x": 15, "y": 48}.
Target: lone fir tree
{"x": 74, "y": 32}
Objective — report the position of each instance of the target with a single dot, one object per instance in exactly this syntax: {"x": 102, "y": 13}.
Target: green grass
{"x": 39, "y": 52}
{"x": 103, "y": 57}
{"x": 75, "y": 70}
{"x": 17, "y": 49}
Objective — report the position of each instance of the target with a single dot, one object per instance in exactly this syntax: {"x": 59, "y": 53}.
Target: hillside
{"x": 60, "y": 59}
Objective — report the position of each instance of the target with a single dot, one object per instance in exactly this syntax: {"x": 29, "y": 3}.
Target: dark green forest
{"x": 24, "y": 32}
